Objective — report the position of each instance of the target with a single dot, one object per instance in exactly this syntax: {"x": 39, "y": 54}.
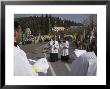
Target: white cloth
{"x": 51, "y": 43}
{"x": 42, "y": 65}
{"x": 54, "y": 45}
{"x": 85, "y": 65}
{"x": 79, "y": 52}
{"x": 92, "y": 59}
{"x": 21, "y": 64}
{"x": 65, "y": 51}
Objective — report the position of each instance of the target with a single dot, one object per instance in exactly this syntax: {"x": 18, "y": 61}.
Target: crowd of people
{"x": 89, "y": 42}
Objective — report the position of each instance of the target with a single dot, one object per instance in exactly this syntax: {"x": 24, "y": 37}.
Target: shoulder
{"x": 18, "y": 51}
{"x": 88, "y": 55}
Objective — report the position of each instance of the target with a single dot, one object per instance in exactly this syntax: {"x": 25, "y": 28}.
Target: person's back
{"x": 84, "y": 64}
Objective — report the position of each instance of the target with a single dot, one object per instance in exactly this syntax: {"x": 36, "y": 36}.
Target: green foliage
{"x": 44, "y": 23}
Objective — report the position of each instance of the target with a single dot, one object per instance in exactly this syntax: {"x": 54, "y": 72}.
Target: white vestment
{"x": 22, "y": 67}
{"x": 54, "y": 45}
{"x": 65, "y": 51}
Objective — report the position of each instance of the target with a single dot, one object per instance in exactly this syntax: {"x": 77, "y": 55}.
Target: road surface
{"x": 58, "y": 68}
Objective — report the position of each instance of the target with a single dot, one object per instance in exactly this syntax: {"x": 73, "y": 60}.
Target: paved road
{"x": 59, "y": 68}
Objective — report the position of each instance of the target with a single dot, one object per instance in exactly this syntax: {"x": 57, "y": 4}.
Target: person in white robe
{"x": 54, "y": 47}
{"x": 85, "y": 63}
{"x": 65, "y": 50}
{"x": 22, "y": 67}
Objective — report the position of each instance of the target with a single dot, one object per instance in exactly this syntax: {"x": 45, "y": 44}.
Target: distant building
{"x": 58, "y": 29}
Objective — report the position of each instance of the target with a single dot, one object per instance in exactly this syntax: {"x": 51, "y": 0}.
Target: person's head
{"x": 17, "y": 32}
{"x": 64, "y": 41}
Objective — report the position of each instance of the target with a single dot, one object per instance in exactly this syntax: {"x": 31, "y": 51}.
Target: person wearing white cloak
{"x": 54, "y": 46}
{"x": 65, "y": 50}
{"x": 22, "y": 67}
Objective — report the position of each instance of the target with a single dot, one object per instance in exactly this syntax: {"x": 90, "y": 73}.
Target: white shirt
{"x": 78, "y": 52}
{"x": 65, "y": 52}
{"x": 21, "y": 64}
{"x": 53, "y": 46}
{"x": 51, "y": 43}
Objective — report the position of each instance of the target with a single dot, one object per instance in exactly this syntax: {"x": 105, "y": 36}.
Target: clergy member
{"x": 54, "y": 47}
{"x": 65, "y": 50}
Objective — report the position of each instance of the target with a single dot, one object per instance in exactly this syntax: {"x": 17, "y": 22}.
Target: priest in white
{"x": 22, "y": 67}
{"x": 54, "y": 47}
{"x": 65, "y": 50}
